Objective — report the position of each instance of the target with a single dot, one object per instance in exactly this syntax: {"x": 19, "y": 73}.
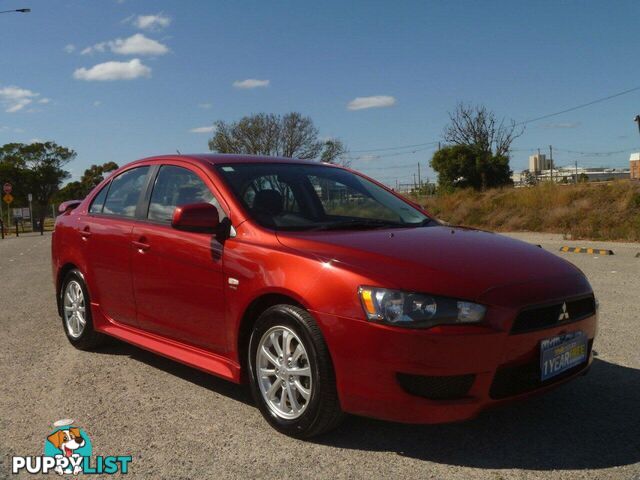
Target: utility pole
{"x": 576, "y": 172}
{"x": 551, "y": 160}
{"x": 419, "y": 178}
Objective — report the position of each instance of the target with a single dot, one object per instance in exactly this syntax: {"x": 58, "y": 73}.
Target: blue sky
{"x": 521, "y": 59}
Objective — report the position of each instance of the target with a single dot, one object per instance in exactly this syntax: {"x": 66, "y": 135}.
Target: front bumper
{"x": 489, "y": 365}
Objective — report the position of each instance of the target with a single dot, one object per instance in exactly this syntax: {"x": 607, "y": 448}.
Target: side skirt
{"x": 189, "y": 355}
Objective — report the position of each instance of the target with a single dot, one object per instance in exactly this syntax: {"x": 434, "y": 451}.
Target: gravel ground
{"x": 177, "y": 422}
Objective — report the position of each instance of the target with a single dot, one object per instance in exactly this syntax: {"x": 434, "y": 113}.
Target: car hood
{"x": 453, "y": 261}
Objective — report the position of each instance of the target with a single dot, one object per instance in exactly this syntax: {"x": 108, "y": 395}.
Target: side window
{"x": 98, "y": 200}
{"x": 124, "y": 193}
{"x": 176, "y": 186}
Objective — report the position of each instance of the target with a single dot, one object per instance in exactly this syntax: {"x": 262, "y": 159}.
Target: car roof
{"x": 224, "y": 159}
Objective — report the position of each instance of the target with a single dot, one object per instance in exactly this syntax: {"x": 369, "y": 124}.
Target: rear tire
{"x": 75, "y": 309}
{"x": 291, "y": 374}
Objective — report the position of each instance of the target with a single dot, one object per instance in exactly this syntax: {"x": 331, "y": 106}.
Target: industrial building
{"x": 538, "y": 163}
{"x": 634, "y": 166}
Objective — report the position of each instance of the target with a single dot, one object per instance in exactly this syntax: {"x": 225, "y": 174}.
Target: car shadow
{"x": 199, "y": 378}
{"x": 589, "y": 423}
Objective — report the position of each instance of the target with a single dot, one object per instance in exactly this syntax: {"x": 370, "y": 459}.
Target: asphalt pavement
{"x": 177, "y": 422}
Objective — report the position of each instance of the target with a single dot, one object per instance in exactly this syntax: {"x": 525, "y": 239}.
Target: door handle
{"x": 141, "y": 244}
{"x": 85, "y": 233}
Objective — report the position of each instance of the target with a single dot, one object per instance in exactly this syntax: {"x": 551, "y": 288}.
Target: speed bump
{"x": 590, "y": 251}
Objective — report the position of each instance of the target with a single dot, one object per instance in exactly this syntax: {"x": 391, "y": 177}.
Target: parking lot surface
{"x": 177, "y": 422}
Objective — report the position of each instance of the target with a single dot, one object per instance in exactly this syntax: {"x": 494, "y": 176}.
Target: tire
{"x": 319, "y": 411}
{"x": 81, "y": 336}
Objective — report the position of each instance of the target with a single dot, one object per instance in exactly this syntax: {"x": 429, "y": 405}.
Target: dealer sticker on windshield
{"x": 559, "y": 354}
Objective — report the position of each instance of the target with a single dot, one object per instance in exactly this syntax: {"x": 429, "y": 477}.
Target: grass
{"x": 595, "y": 211}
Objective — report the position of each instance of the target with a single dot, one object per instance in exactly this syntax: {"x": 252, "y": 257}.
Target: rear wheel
{"x": 291, "y": 374}
{"x": 76, "y": 312}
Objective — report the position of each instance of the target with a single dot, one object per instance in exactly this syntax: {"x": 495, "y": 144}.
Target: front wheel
{"x": 76, "y": 312}
{"x": 291, "y": 373}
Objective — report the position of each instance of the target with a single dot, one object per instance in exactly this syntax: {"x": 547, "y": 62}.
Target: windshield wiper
{"x": 356, "y": 224}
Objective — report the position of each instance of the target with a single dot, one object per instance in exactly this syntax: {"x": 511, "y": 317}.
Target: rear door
{"x": 106, "y": 234}
{"x": 177, "y": 276}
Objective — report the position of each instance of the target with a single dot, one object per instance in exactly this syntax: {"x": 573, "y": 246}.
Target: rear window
{"x": 122, "y": 198}
{"x": 98, "y": 201}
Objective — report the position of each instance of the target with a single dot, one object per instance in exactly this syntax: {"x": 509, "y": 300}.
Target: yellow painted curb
{"x": 590, "y": 251}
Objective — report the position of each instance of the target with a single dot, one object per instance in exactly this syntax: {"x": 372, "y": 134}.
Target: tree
{"x": 529, "y": 179}
{"x": 290, "y": 135}
{"x": 476, "y": 126}
{"x": 334, "y": 152}
{"x": 463, "y": 166}
{"x": 37, "y": 168}
{"x": 90, "y": 179}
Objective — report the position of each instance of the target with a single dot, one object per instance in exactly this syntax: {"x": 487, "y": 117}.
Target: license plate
{"x": 559, "y": 354}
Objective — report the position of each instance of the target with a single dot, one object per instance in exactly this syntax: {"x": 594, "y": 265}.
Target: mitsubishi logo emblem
{"x": 564, "y": 315}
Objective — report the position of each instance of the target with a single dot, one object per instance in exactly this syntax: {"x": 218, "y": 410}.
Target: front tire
{"x": 291, "y": 373}
{"x": 75, "y": 307}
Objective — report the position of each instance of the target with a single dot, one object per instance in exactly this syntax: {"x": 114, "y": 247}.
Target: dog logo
{"x": 68, "y": 450}
{"x": 69, "y": 442}
{"x": 564, "y": 315}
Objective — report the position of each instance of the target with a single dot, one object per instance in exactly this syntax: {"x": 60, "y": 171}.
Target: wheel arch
{"x": 248, "y": 320}
{"x": 62, "y": 272}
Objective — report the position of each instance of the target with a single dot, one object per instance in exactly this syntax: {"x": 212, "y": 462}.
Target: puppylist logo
{"x": 68, "y": 450}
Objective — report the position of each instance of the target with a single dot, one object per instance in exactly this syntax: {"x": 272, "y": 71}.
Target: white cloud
{"x": 97, "y": 103}
{"x": 98, "y": 47}
{"x": 15, "y": 98}
{"x": 44, "y": 100}
{"x": 203, "y": 129}
{"x": 113, "y": 71}
{"x": 69, "y": 48}
{"x": 205, "y": 106}
{"x": 136, "y": 44}
{"x": 149, "y": 22}
{"x": 375, "y": 101}
{"x": 251, "y": 83}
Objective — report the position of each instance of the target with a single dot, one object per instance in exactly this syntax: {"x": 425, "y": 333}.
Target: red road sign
{"x": 7, "y": 188}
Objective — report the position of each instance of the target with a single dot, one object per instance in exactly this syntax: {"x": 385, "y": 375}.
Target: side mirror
{"x": 68, "y": 205}
{"x": 196, "y": 217}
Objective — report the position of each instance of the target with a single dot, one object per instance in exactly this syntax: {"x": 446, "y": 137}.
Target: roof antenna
{"x": 178, "y": 151}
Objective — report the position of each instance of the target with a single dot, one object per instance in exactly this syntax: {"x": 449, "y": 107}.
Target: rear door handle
{"x": 141, "y": 244}
{"x": 85, "y": 233}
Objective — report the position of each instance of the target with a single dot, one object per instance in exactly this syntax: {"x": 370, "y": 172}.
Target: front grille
{"x": 436, "y": 388}
{"x": 538, "y": 318}
{"x": 514, "y": 380}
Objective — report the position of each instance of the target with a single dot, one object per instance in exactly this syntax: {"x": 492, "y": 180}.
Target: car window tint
{"x": 98, "y": 201}
{"x": 124, "y": 193}
{"x": 176, "y": 186}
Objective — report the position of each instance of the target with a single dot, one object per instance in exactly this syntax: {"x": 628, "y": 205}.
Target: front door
{"x": 106, "y": 234}
{"x": 177, "y": 275}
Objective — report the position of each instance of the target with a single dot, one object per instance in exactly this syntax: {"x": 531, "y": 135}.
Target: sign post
{"x": 30, "y": 198}
{"x": 7, "y": 188}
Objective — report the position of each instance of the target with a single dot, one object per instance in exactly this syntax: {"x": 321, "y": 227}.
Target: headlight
{"x": 417, "y": 310}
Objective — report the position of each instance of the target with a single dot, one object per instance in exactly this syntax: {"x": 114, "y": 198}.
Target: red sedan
{"x": 324, "y": 290}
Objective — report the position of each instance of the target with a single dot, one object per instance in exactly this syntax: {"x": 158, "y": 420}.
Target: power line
{"x": 524, "y": 122}
{"x": 393, "y": 148}
{"x": 571, "y": 109}
{"x": 395, "y": 154}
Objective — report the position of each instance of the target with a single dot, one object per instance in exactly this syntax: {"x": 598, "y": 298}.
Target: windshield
{"x": 290, "y": 196}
